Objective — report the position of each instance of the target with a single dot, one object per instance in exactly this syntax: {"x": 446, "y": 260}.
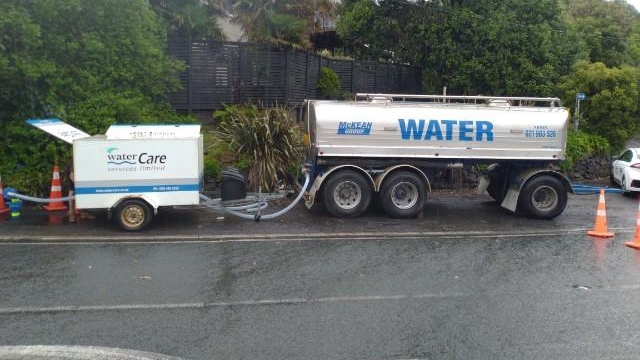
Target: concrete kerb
{"x": 364, "y": 236}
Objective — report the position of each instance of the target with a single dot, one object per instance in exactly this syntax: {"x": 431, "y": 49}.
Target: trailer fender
{"x": 310, "y": 196}
{"x": 147, "y": 199}
{"x": 510, "y": 201}
{"x": 381, "y": 176}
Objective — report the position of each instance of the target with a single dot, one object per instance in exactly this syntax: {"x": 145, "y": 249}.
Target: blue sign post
{"x": 579, "y": 97}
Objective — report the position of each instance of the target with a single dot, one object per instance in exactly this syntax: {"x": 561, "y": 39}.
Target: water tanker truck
{"x": 384, "y": 146}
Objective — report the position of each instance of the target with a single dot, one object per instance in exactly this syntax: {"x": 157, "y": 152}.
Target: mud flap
{"x": 310, "y": 194}
{"x": 510, "y": 201}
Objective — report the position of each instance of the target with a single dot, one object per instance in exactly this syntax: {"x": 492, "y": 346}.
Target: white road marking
{"x": 261, "y": 302}
{"x": 200, "y": 305}
{"x": 77, "y": 352}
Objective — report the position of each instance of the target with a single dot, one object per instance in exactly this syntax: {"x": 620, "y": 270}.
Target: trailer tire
{"x": 133, "y": 215}
{"x": 543, "y": 197}
{"x": 347, "y": 194}
{"x": 403, "y": 195}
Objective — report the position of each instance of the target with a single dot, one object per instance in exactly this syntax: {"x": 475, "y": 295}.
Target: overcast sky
{"x": 635, "y": 3}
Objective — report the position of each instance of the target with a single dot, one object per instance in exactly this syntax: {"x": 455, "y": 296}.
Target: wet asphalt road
{"x": 467, "y": 281}
{"x": 443, "y": 214}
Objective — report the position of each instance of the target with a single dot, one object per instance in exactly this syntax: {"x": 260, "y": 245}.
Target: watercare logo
{"x": 114, "y": 158}
{"x": 354, "y": 128}
{"x": 143, "y": 161}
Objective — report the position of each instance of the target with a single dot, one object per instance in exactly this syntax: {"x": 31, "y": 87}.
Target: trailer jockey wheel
{"x": 347, "y": 194}
{"x": 543, "y": 197}
{"x": 403, "y": 195}
{"x": 133, "y": 214}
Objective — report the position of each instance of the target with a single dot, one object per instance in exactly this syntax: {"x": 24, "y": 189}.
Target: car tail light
{"x": 635, "y": 166}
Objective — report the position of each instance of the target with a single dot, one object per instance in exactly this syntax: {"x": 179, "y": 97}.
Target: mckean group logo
{"x": 143, "y": 161}
{"x": 354, "y": 128}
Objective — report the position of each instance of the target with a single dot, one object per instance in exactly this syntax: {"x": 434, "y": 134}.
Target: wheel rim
{"x": 624, "y": 184}
{"x": 133, "y": 216}
{"x": 347, "y": 195}
{"x": 404, "y": 195}
{"x": 544, "y": 198}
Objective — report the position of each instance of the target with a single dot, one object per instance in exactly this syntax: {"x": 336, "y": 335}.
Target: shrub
{"x": 328, "y": 83}
{"x": 267, "y": 137}
{"x": 581, "y": 145}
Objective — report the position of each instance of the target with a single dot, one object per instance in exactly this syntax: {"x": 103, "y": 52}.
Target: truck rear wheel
{"x": 543, "y": 197}
{"x": 133, "y": 215}
{"x": 403, "y": 195}
{"x": 347, "y": 194}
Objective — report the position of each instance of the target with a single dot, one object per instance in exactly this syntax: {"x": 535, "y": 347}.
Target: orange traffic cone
{"x": 55, "y": 218}
{"x": 56, "y": 193}
{"x": 3, "y": 207}
{"x": 635, "y": 243}
{"x": 600, "y": 229}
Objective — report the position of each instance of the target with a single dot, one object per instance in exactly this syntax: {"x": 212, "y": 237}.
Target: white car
{"x": 625, "y": 170}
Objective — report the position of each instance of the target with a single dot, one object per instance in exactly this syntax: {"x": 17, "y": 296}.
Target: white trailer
{"x": 133, "y": 170}
{"x": 384, "y": 145}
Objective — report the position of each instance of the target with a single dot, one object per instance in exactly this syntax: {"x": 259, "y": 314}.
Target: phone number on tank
{"x": 540, "y": 134}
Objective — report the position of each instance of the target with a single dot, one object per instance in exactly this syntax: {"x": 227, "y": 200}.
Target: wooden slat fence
{"x": 223, "y": 73}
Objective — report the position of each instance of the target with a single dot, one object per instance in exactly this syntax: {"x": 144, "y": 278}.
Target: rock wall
{"x": 593, "y": 168}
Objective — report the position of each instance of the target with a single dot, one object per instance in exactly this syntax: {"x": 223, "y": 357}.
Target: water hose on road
{"x": 254, "y": 210}
{"x": 581, "y": 189}
{"x": 38, "y": 200}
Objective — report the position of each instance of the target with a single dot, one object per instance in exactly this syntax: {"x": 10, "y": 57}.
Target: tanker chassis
{"x": 384, "y": 146}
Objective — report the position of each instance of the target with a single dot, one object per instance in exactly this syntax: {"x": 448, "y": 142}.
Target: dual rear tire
{"x": 348, "y": 193}
{"x": 403, "y": 195}
{"x": 543, "y": 197}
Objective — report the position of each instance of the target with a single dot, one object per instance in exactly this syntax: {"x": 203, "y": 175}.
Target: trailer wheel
{"x": 347, "y": 194}
{"x": 403, "y": 195}
{"x": 133, "y": 215}
{"x": 543, "y": 197}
